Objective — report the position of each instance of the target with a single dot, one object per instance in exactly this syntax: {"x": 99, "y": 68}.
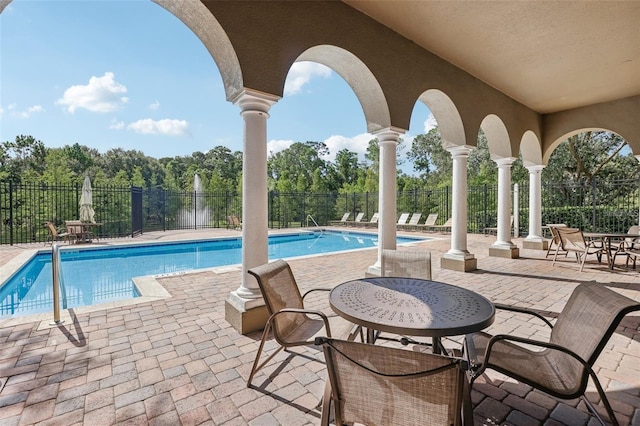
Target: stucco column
{"x": 244, "y": 309}
{"x": 503, "y": 247}
{"x": 458, "y": 258}
{"x": 387, "y": 141}
{"x": 535, "y": 240}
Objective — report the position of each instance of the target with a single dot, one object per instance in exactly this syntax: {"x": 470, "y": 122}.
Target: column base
{"x": 535, "y": 245}
{"x": 504, "y": 251}
{"x": 459, "y": 263}
{"x": 245, "y": 321}
{"x": 373, "y": 271}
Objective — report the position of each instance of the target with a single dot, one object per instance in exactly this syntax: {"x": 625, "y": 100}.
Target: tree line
{"x": 303, "y": 167}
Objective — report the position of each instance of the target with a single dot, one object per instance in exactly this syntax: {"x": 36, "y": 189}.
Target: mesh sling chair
{"x": 572, "y": 240}
{"x": 555, "y": 238}
{"x": 381, "y": 385}
{"x": 562, "y": 365}
{"x": 291, "y": 323}
{"x": 405, "y": 263}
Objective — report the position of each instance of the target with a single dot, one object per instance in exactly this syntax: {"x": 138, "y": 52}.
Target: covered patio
{"x": 178, "y": 360}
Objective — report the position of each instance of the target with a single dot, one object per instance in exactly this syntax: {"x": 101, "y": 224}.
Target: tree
{"x": 23, "y": 158}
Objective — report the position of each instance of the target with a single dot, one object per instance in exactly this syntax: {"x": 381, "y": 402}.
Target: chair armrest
{"x": 522, "y": 311}
{"x": 315, "y": 289}
{"x": 478, "y": 369}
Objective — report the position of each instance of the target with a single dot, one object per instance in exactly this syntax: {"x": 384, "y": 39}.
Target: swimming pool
{"x": 92, "y": 275}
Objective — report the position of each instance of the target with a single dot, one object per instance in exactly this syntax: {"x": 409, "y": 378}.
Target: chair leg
{"x": 325, "y": 417}
{"x": 605, "y": 402}
{"x": 257, "y": 367}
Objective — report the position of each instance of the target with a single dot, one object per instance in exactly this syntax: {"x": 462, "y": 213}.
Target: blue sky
{"x": 128, "y": 74}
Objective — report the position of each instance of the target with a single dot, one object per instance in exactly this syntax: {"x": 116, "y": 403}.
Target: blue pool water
{"x": 104, "y": 274}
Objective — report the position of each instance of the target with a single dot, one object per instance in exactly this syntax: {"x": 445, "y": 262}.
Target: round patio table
{"x": 413, "y": 307}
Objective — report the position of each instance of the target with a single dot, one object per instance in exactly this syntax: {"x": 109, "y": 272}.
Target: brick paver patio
{"x": 177, "y": 361}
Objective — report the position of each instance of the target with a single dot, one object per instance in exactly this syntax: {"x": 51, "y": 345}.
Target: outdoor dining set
{"x": 382, "y": 340}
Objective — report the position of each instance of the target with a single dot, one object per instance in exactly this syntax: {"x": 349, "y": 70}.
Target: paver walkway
{"x": 177, "y": 361}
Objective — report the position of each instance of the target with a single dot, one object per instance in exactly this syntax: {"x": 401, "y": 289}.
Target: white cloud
{"x": 274, "y": 146}
{"x": 165, "y": 127}
{"x": 154, "y": 106}
{"x": 430, "y": 123}
{"x": 116, "y": 125}
{"x": 28, "y": 112}
{"x": 102, "y": 94}
{"x": 1, "y": 111}
{"x": 301, "y": 73}
{"x": 335, "y": 143}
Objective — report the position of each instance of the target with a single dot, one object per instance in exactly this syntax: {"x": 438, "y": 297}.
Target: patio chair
{"x": 629, "y": 247}
{"x": 373, "y": 222}
{"x": 562, "y": 365}
{"x": 55, "y": 235}
{"x": 555, "y": 238}
{"x": 429, "y": 222}
{"x": 356, "y": 221}
{"x": 233, "y": 222}
{"x": 446, "y": 225}
{"x": 406, "y": 263}
{"x": 380, "y": 385}
{"x": 291, "y": 323}
{"x": 402, "y": 220}
{"x": 413, "y": 222}
{"x": 342, "y": 221}
{"x": 572, "y": 240}
{"x": 494, "y": 230}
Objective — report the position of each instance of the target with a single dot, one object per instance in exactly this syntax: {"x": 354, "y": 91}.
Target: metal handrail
{"x": 56, "y": 272}
{"x": 312, "y": 220}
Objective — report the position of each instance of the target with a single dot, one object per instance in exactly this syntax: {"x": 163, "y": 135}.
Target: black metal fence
{"x": 123, "y": 211}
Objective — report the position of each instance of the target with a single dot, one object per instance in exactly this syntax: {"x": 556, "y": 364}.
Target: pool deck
{"x": 175, "y": 360}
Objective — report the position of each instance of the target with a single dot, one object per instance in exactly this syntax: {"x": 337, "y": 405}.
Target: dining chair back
{"x": 629, "y": 247}
{"x": 406, "y": 263}
{"x": 380, "y": 385}
{"x": 562, "y": 365}
{"x": 55, "y": 235}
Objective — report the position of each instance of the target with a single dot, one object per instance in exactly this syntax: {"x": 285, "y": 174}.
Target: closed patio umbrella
{"x": 86, "y": 202}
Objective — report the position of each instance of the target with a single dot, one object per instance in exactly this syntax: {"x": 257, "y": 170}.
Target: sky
{"x": 128, "y": 74}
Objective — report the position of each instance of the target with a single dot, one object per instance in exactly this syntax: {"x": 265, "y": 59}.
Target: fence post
{"x": 593, "y": 198}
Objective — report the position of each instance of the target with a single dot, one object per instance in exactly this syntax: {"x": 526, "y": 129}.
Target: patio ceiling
{"x": 550, "y": 56}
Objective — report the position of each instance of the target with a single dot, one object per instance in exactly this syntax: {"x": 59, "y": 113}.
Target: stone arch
{"x": 364, "y": 84}
{"x": 562, "y": 138}
{"x": 530, "y": 149}
{"x": 497, "y": 136}
{"x": 447, "y": 115}
{"x": 195, "y": 15}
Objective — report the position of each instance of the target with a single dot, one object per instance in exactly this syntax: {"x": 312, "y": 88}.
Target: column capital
{"x": 254, "y": 101}
{"x": 388, "y": 134}
{"x": 504, "y": 161}
{"x": 459, "y": 150}
{"x": 535, "y": 169}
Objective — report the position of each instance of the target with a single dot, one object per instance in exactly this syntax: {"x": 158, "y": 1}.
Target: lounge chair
{"x": 379, "y": 385}
{"x": 373, "y": 222}
{"x": 342, "y": 221}
{"x": 444, "y": 226}
{"x": 357, "y": 221}
{"x": 413, "y": 222}
{"x": 572, "y": 240}
{"x": 562, "y": 365}
{"x": 428, "y": 224}
{"x": 402, "y": 220}
{"x": 494, "y": 230}
{"x": 55, "y": 235}
{"x": 292, "y": 324}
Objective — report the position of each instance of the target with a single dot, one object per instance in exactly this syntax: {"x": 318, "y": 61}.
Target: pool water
{"x": 104, "y": 274}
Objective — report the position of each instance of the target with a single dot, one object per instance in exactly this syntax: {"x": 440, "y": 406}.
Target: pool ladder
{"x": 312, "y": 220}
